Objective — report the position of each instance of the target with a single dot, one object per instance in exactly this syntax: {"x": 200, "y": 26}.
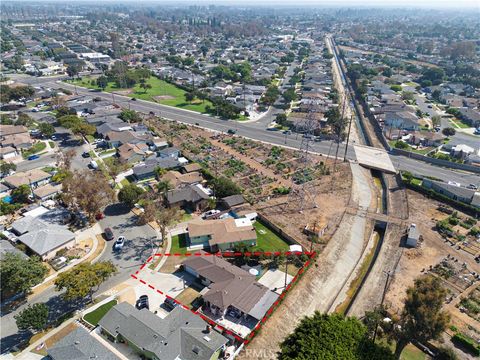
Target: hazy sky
{"x": 312, "y": 3}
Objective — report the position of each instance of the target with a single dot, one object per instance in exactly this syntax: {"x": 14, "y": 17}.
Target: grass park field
{"x": 161, "y": 92}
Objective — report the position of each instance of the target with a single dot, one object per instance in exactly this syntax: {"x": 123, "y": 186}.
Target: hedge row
{"x": 467, "y": 343}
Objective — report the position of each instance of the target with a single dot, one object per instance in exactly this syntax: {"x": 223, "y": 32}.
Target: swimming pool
{"x": 7, "y": 199}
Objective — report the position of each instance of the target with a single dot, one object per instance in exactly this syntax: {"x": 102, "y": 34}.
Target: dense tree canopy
{"x": 84, "y": 279}
{"x": 20, "y": 274}
{"x": 331, "y": 337}
{"x": 34, "y": 317}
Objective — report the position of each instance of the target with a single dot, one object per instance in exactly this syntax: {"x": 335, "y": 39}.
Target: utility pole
{"x": 348, "y": 138}
{"x": 381, "y": 303}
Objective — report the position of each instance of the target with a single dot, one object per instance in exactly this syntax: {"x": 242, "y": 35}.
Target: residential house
{"x": 132, "y": 153}
{"x": 232, "y": 291}
{"x": 462, "y": 151}
{"x": 46, "y": 192}
{"x": 231, "y": 201}
{"x": 149, "y": 168}
{"x": 34, "y": 178}
{"x": 221, "y": 234}
{"x": 8, "y": 152}
{"x": 402, "y": 120}
{"x": 177, "y": 179}
{"x": 467, "y": 196}
{"x": 194, "y": 197}
{"x": 7, "y": 247}
{"x": 192, "y": 167}
{"x": 180, "y": 335}
{"x": 80, "y": 345}
{"x": 44, "y": 232}
{"x": 170, "y": 152}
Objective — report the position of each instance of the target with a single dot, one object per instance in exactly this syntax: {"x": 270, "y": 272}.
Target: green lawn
{"x": 36, "y": 148}
{"x": 95, "y": 316}
{"x": 459, "y": 124}
{"x": 268, "y": 240}
{"x": 179, "y": 244}
{"x": 173, "y": 95}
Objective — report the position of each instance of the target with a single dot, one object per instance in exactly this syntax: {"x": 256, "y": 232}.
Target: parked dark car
{"x": 85, "y": 154}
{"x": 142, "y": 303}
{"x": 170, "y": 303}
{"x": 108, "y": 234}
{"x": 231, "y": 131}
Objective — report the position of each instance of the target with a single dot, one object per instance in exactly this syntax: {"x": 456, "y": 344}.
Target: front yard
{"x": 96, "y": 315}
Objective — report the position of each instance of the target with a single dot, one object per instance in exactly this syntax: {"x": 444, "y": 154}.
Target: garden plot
{"x": 471, "y": 304}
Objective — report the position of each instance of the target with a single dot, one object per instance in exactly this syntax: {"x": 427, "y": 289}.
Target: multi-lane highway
{"x": 252, "y": 131}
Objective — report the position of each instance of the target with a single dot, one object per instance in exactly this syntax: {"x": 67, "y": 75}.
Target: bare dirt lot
{"x": 450, "y": 260}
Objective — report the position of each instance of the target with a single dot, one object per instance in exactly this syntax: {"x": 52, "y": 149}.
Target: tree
{"x": 289, "y": 95}
{"x": 69, "y": 121}
{"x": 20, "y": 274}
{"x": 449, "y": 131}
{"x": 166, "y": 217}
{"x": 73, "y": 70}
{"x": 21, "y": 194}
{"x": 189, "y": 96}
{"x": 129, "y": 116}
{"x": 446, "y": 353}
{"x": 436, "y": 120}
{"x": 84, "y": 279}
{"x": 164, "y": 186}
{"x": 331, "y": 337}
{"x": 114, "y": 167}
{"x": 130, "y": 194}
{"x": 64, "y": 111}
{"x": 34, "y": 317}
{"x": 223, "y": 187}
{"x": 46, "y": 129}
{"x": 422, "y": 318}
{"x": 83, "y": 129}
{"x": 102, "y": 82}
{"x": 6, "y": 167}
{"x": 88, "y": 191}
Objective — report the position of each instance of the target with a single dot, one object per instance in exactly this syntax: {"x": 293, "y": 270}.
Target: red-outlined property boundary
{"x": 269, "y": 312}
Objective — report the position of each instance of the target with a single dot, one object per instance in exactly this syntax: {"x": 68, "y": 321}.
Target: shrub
{"x": 467, "y": 342}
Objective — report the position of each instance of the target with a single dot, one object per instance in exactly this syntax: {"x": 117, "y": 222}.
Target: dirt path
{"x": 318, "y": 289}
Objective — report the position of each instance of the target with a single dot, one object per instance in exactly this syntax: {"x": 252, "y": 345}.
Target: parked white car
{"x": 210, "y": 213}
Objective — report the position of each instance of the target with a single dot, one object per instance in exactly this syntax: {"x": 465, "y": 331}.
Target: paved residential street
{"x": 135, "y": 252}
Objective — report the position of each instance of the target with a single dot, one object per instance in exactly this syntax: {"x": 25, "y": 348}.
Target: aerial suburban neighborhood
{"x": 217, "y": 181}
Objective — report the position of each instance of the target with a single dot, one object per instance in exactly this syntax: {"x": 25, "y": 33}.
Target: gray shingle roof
{"x": 175, "y": 336}
{"x": 47, "y": 239}
{"x": 80, "y": 345}
{"x": 190, "y": 193}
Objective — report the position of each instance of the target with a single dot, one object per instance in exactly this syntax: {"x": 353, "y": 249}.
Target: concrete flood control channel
{"x": 356, "y": 279}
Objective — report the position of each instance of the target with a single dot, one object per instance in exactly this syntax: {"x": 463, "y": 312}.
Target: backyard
{"x": 161, "y": 92}
{"x": 267, "y": 240}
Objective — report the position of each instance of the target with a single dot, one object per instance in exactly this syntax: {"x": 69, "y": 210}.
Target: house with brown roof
{"x": 132, "y": 153}
{"x": 232, "y": 292}
{"x": 177, "y": 179}
{"x": 18, "y": 141}
{"x": 6, "y": 130}
{"x": 34, "y": 178}
{"x": 221, "y": 234}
